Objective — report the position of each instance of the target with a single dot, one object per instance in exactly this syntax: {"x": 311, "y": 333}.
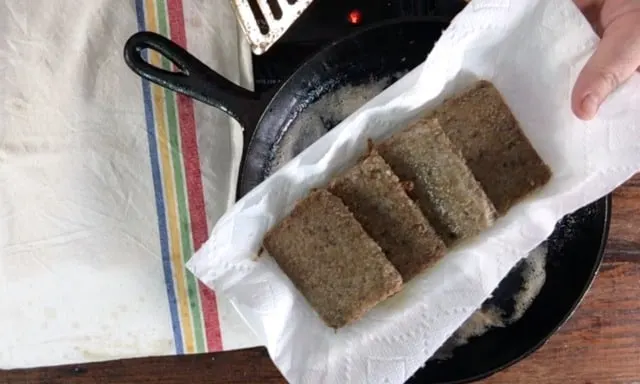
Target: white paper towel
{"x": 532, "y": 51}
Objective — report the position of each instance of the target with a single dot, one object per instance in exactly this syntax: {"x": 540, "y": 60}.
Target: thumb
{"x": 615, "y": 60}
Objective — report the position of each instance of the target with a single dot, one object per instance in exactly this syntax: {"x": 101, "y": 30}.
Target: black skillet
{"x": 379, "y": 56}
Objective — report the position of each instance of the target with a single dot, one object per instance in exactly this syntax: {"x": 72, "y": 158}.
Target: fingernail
{"x": 590, "y": 105}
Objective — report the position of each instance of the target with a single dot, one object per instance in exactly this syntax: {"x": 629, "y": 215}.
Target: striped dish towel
{"x": 108, "y": 184}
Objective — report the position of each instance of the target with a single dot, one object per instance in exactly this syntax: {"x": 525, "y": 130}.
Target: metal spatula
{"x": 265, "y": 21}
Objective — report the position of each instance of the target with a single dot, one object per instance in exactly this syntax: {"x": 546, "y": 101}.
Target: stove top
{"x": 328, "y": 20}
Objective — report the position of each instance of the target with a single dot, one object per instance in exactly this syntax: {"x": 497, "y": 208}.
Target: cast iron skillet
{"x": 314, "y": 99}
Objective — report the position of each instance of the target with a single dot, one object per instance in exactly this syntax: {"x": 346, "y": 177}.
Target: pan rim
{"x": 607, "y": 202}
{"x": 271, "y": 96}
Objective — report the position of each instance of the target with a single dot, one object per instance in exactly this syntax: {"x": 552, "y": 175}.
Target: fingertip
{"x": 581, "y": 108}
{"x": 588, "y": 107}
{"x": 613, "y": 62}
{"x": 576, "y": 107}
{"x": 580, "y": 89}
{"x": 590, "y": 90}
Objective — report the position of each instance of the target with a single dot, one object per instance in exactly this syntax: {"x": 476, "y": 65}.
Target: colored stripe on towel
{"x": 177, "y": 180}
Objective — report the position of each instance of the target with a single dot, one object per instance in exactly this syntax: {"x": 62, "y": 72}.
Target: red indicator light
{"x": 355, "y": 16}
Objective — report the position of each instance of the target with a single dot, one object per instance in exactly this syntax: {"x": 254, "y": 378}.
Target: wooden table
{"x": 600, "y": 344}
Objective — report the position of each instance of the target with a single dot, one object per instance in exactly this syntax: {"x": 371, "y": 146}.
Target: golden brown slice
{"x": 480, "y": 124}
{"x": 329, "y": 257}
{"x": 444, "y": 187}
{"x": 380, "y": 203}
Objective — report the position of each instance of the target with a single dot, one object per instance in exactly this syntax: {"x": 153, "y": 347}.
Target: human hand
{"x": 617, "y": 57}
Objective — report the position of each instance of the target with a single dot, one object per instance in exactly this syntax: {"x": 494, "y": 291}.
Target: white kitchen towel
{"x": 532, "y": 51}
{"x": 108, "y": 184}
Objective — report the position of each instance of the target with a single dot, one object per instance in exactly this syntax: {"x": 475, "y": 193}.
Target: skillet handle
{"x": 192, "y": 78}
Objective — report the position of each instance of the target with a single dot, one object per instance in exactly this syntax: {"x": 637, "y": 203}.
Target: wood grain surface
{"x": 600, "y": 344}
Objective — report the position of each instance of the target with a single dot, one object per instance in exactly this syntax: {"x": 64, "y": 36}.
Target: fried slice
{"x": 446, "y": 191}
{"x": 329, "y": 257}
{"x": 500, "y": 156}
{"x": 379, "y": 202}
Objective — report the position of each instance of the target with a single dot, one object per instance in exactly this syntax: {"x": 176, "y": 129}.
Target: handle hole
{"x": 155, "y": 58}
{"x": 263, "y": 26}
{"x": 292, "y": 1}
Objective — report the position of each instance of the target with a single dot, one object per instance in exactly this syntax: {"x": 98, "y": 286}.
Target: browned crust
{"x": 444, "y": 187}
{"x": 481, "y": 125}
{"x": 329, "y": 257}
{"x": 379, "y": 202}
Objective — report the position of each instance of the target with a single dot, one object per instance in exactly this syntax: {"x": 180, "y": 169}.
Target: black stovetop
{"x": 327, "y": 20}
